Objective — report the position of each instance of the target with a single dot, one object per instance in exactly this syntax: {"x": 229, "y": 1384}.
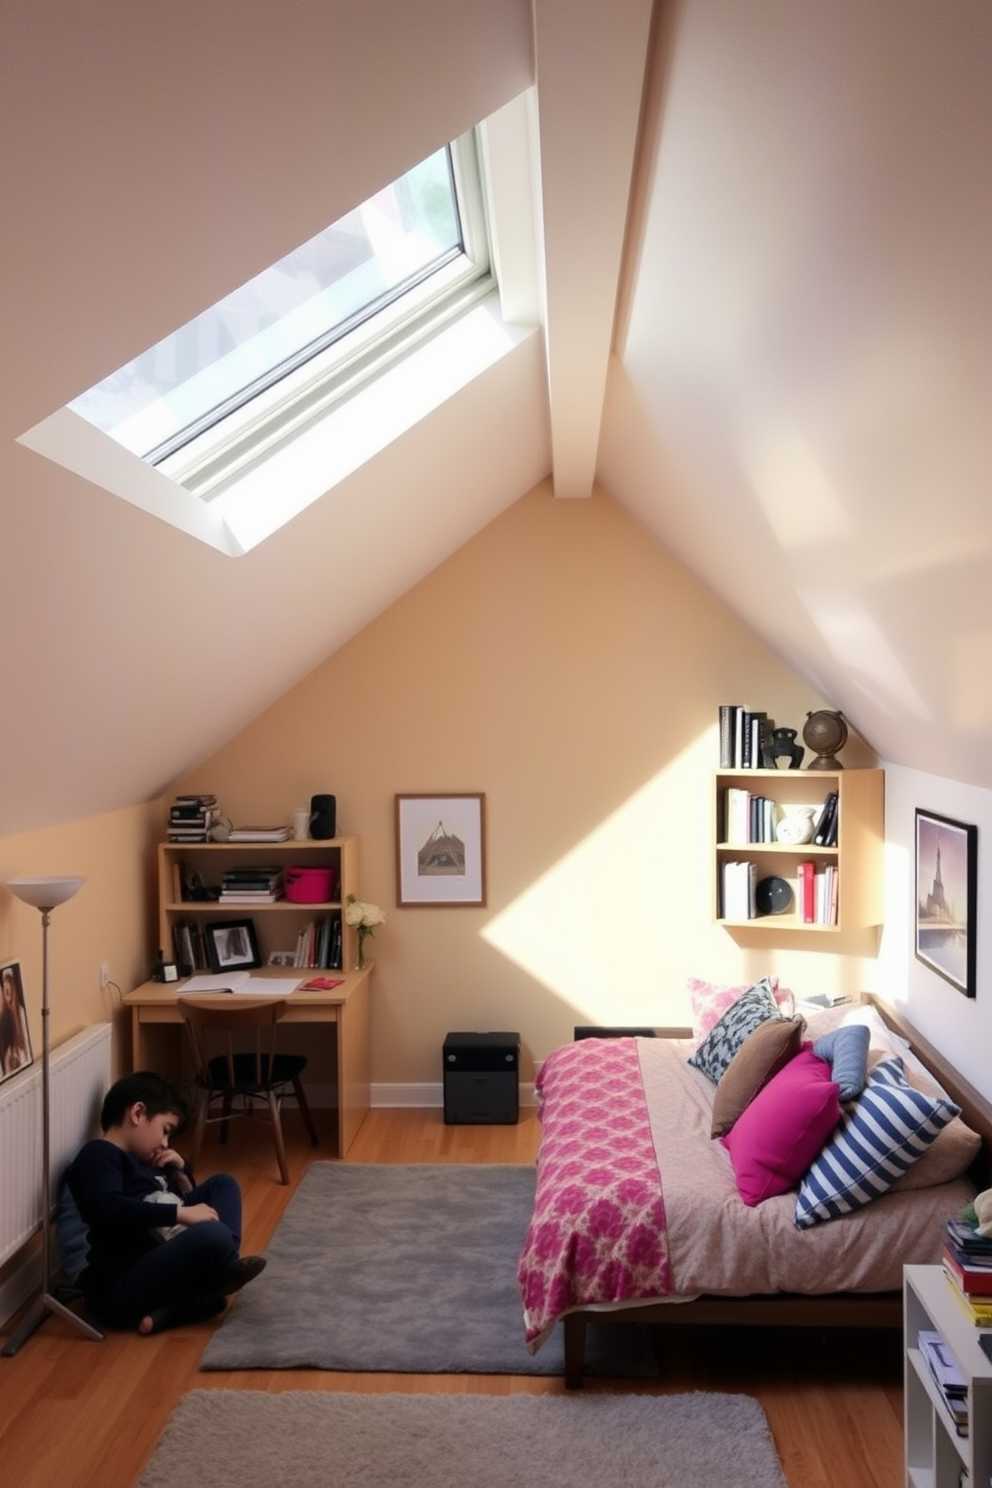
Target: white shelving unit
{"x": 936, "y": 1456}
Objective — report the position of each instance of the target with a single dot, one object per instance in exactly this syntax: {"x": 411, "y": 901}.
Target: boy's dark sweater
{"x": 110, "y": 1188}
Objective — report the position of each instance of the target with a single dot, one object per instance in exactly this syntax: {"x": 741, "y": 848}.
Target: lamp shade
{"x": 45, "y": 893}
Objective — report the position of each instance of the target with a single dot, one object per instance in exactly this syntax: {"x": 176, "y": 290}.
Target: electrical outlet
{"x": 104, "y": 975}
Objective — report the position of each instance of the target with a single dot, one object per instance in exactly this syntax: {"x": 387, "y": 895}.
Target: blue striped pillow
{"x": 881, "y": 1136}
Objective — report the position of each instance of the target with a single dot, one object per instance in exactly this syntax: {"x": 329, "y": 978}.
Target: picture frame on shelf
{"x": 946, "y": 887}
{"x": 16, "y": 1052}
{"x": 440, "y": 850}
{"x": 232, "y": 945}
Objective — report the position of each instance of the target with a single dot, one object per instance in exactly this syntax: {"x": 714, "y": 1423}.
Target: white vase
{"x": 796, "y": 826}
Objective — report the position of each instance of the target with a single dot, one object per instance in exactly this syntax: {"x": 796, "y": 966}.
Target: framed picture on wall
{"x": 232, "y": 946}
{"x": 440, "y": 850}
{"x": 946, "y": 898}
{"x": 15, "y": 1035}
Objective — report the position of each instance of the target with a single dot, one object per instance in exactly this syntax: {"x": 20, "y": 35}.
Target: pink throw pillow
{"x": 710, "y": 1002}
{"x": 775, "y": 1139}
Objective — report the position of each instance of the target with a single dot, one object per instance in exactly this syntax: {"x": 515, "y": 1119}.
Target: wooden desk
{"x": 155, "y": 1004}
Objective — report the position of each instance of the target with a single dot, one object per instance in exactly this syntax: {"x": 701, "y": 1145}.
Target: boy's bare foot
{"x": 196, "y": 1310}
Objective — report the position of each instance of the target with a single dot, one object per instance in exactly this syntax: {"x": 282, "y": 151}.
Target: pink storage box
{"x": 310, "y": 885}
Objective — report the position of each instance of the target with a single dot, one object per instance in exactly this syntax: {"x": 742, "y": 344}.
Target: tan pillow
{"x": 762, "y": 1054}
{"x": 951, "y": 1153}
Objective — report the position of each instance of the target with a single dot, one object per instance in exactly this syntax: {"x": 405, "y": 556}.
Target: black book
{"x": 727, "y": 714}
{"x": 825, "y": 821}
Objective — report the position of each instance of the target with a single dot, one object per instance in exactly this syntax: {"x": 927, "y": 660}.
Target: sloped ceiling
{"x": 794, "y": 202}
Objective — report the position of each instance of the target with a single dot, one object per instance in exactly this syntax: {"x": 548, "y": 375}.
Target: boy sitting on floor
{"x": 134, "y": 1279}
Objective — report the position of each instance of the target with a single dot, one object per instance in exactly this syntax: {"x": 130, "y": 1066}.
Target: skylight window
{"x": 270, "y": 400}
{"x": 266, "y": 357}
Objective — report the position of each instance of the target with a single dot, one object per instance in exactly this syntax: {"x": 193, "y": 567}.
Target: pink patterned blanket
{"x": 597, "y": 1233}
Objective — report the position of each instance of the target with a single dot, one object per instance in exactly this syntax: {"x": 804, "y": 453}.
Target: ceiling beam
{"x": 590, "y": 79}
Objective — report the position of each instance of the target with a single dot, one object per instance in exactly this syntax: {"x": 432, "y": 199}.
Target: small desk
{"x": 155, "y": 1004}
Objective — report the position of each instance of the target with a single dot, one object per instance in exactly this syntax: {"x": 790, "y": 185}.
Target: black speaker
{"x": 323, "y": 810}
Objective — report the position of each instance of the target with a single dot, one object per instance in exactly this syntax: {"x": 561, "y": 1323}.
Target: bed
{"x": 638, "y": 1213}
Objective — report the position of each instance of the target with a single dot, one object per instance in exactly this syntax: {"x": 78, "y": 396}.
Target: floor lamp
{"x": 46, "y": 894}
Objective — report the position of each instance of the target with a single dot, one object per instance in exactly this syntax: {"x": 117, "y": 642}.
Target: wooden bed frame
{"x": 784, "y": 1309}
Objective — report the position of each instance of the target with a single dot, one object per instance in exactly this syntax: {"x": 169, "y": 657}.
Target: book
{"x": 752, "y": 738}
{"x": 738, "y": 737}
{"x": 975, "y": 1281}
{"x": 725, "y": 715}
{"x": 260, "y": 834}
{"x": 807, "y": 892}
{"x": 943, "y": 1365}
{"x": 979, "y": 1311}
{"x": 966, "y": 1237}
{"x": 825, "y": 819}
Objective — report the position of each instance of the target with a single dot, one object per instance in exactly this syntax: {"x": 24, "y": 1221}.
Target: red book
{"x": 807, "y": 882}
{"x": 974, "y": 1281}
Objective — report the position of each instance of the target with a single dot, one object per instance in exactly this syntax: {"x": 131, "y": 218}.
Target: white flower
{"x": 358, "y": 912}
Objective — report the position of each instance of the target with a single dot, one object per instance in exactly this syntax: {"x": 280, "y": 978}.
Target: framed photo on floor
{"x": 946, "y": 898}
{"x": 441, "y": 850}
{"x": 16, "y": 1053}
{"x": 232, "y": 946}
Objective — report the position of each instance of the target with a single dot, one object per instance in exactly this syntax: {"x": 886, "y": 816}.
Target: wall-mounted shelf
{"x": 857, "y": 857}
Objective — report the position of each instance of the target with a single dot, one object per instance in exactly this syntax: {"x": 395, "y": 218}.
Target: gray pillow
{"x": 728, "y": 1034}
{"x": 72, "y": 1238}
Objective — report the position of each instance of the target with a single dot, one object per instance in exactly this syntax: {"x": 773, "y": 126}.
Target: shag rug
{"x": 330, "y": 1440}
{"x": 406, "y": 1268}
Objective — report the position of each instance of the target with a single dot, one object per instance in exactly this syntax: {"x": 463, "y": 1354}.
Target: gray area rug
{"x": 409, "y": 1269}
{"x": 329, "y": 1440}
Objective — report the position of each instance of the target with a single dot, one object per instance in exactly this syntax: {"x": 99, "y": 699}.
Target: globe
{"x": 824, "y": 732}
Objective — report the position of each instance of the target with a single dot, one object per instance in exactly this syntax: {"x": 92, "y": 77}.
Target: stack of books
{"x": 743, "y": 737}
{"x": 967, "y": 1263}
{"x": 947, "y": 1377}
{"x": 277, "y": 833}
{"x": 252, "y": 885}
{"x": 738, "y": 889}
{"x": 817, "y": 893}
{"x": 191, "y": 817}
{"x": 319, "y": 944}
{"x": 746, "y": 817}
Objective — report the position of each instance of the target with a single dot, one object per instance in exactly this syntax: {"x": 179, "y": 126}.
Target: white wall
{"x": 960, "y": 1027}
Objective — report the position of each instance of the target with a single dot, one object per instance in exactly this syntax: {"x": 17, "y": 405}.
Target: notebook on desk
{"x": 241, "y": 982}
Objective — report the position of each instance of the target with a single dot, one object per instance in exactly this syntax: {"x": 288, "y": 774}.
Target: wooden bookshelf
{"x": 277, "y": 925}
{"x": 857, "y": 857}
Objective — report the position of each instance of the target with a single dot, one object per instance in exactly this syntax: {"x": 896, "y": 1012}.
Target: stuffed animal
{"x": 983, "y": 1212}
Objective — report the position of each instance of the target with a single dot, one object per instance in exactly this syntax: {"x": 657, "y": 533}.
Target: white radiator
{"x": 80, "y": 1076}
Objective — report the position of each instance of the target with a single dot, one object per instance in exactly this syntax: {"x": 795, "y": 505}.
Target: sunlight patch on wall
{"x": 859, "y": 645}
{"x": 891, "y": 970}
{"x": 594, "y": 928}
{"x": 795, "y": 495}
{"x": 971, "y": 701}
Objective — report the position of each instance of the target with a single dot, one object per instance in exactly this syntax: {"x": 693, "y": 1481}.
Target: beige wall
{"x": 563, "y": 664}
{"x": 110, "y": 919}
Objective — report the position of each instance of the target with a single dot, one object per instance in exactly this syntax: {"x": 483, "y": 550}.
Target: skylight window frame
{"x": 207, "y": 464}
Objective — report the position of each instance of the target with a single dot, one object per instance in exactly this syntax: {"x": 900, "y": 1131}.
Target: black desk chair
{"x": 239, "y": 1080}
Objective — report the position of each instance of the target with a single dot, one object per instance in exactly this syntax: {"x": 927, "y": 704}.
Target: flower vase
{"x": 360, "y": 955}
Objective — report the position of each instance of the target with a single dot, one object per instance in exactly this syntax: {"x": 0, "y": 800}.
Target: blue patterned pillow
{"x": 727, "y": 1035}
{"x": 882, "y": 1135}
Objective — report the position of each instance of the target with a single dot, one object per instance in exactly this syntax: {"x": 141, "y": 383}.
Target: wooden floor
{"x": 75, "y": 1413}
